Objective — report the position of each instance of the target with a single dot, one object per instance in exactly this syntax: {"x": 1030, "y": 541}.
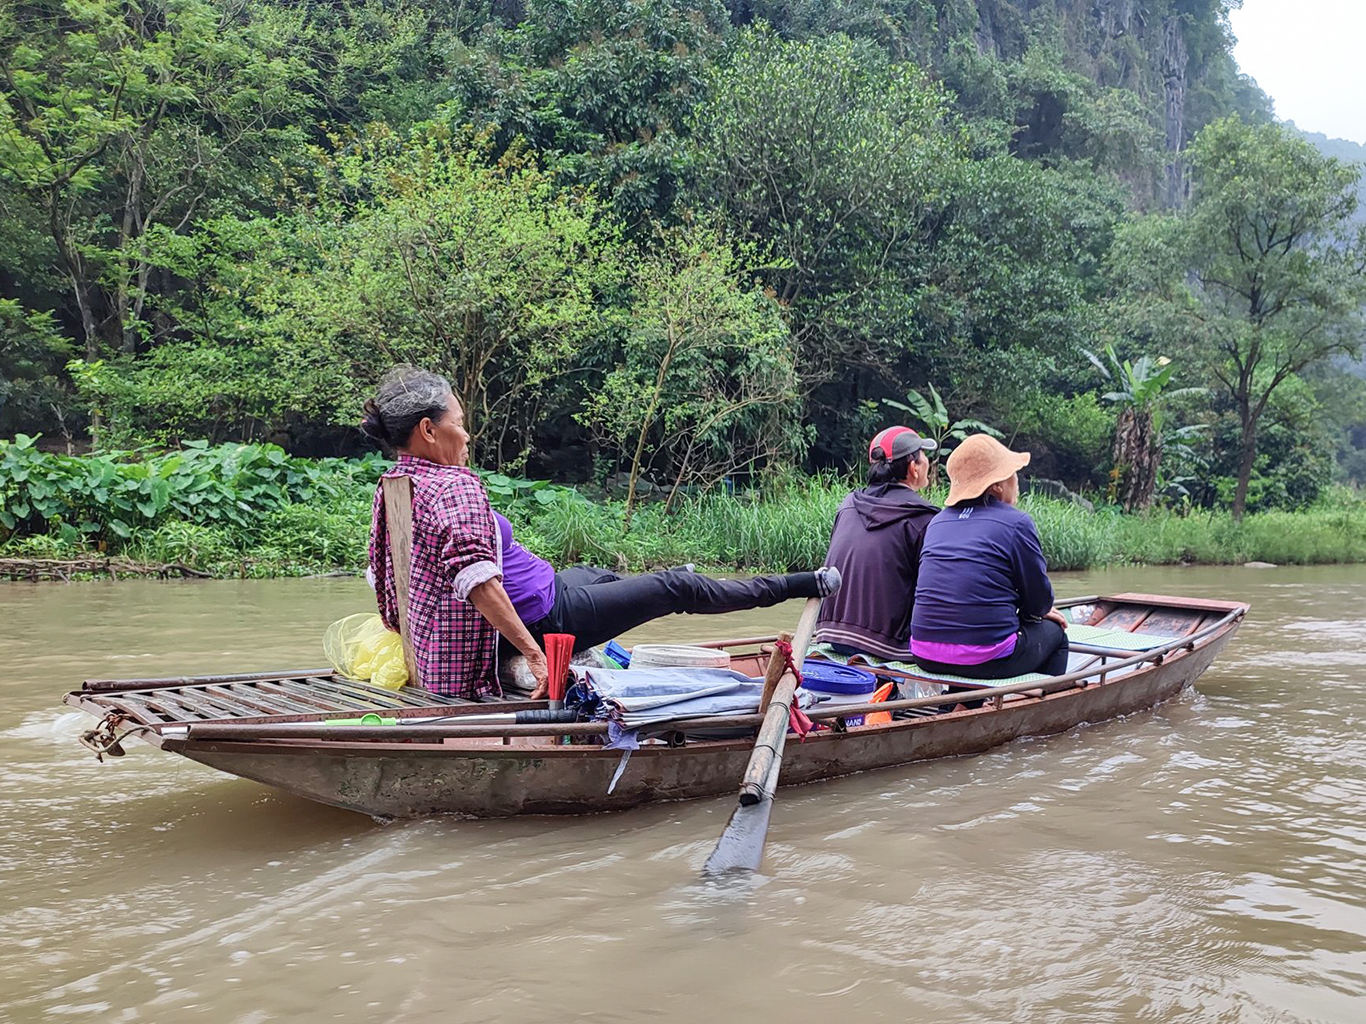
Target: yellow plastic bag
{"x": 361, "y": 647}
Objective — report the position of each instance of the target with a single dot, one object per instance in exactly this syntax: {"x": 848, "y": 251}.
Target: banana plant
{"x": 1142, "y": 388}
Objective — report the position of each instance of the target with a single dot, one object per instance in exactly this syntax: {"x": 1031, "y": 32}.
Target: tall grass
{"x": 783, "y": 530}
{"x": 791, "y": 531}
{"x": 1072, "y": 537}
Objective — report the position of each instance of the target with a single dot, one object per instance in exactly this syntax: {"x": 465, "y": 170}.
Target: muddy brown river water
{"x": 1202, "y": 862}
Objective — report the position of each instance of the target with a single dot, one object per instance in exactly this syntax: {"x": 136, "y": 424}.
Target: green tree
{"x": 895, "y": 256}
{"x": 31, "y": 351}
{"x": 423, "y": 252}
{"x": 707, "y": 380}
{"x": 1261, "y": 277}
{"x": 373, "y": 60}
{"x": 830, "y": 155}
{"x": 225, "y": 365}
{"x": 604, "y": 89}
{"x": 117, "y": 116}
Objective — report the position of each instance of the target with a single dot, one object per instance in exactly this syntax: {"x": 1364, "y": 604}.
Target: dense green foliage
{"x": 252, "y": 510}
{"x": 235, "y": 507}
{"x": 672, "y": 242}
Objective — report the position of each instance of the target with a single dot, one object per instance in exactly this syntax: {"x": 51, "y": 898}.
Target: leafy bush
{"x": 1070, "y": 437}
{"x": 107, "y": 497}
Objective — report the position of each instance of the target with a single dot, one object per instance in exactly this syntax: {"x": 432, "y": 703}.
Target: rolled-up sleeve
{"x": 468, "y": 536}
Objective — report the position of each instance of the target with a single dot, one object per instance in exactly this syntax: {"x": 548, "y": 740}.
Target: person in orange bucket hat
{"x": 983, "y": 600}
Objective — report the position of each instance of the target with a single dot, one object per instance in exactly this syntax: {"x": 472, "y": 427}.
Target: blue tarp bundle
{"x": 632, "y": 699}
{"x": 639, "y": 697}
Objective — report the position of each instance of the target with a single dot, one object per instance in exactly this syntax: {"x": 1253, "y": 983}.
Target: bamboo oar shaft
{"x": 777, "y": 665}
{"x": 741, "y": 846}
{"x": 768, "y": 748}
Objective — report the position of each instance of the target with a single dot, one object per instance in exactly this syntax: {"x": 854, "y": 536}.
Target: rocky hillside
{"x": 1121, "y": 84}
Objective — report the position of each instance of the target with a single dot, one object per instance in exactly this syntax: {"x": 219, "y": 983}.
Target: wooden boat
{"x": 270, "y": 727}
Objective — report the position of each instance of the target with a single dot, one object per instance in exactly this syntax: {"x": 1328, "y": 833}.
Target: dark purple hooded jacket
{"x": 876, "y": 547}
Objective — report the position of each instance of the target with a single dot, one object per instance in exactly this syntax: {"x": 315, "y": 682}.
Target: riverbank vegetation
{"x": 251, "y": 510}
{"x": 661, "y": 248}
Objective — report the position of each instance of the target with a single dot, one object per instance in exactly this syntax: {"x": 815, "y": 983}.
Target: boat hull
{"x": 489, "y": 779}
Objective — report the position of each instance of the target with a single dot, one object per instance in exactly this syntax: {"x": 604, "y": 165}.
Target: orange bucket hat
{"x": 979, "y": 462}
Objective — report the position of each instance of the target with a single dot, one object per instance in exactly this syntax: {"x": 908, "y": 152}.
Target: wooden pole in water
{"x": 398, "y": 514}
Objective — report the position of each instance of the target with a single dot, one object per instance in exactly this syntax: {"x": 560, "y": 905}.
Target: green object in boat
{"x": 366, "y": 719}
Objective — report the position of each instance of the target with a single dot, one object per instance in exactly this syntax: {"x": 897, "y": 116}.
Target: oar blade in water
{"x": 741, "y": 847}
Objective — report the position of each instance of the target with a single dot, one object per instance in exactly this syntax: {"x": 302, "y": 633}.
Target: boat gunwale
{"x": 446, "y": 746}
{"x": 345, "y": 738}
{"x": 580, "y": 752}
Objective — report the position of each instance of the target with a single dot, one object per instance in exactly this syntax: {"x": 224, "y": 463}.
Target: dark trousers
{"x": 596, "y": 605}
{"x": 1039, "y": 647}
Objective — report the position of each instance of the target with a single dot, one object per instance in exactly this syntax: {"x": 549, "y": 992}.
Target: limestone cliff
{"x": 1174, "y": 55}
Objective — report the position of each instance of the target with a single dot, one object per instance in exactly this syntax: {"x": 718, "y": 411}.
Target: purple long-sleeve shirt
{"x": 528, "y": 580}
{"x": 982, "y": 571}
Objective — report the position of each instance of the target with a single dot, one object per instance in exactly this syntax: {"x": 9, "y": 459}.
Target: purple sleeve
{"x": 1030, "y": 571}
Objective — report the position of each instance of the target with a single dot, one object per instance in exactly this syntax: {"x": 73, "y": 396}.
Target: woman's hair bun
{"x": 372, "y": 425}
{"x": 405, "y": 397}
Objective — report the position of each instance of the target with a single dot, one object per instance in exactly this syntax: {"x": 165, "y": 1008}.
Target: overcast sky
{"x": 1310, "y": 56}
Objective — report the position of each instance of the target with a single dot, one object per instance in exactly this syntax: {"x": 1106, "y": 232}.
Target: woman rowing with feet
{"x": 472, "y": 583}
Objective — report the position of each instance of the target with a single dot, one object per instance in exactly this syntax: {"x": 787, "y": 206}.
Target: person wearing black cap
{"x": 875, "y": 545}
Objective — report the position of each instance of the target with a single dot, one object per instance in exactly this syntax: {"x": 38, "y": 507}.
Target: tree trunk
{"x": 640, "y": 451}
{"x": 1137, "y": 454}
{"x": 1249, "y": 457}
{"x": 128, "y": 230}
{"x": 645, "y": 428}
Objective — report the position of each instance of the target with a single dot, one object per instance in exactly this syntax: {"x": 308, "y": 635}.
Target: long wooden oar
{"x": 741, "y": 846}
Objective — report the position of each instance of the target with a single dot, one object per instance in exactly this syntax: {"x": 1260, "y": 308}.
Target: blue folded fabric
{"x": 640, "y": 697}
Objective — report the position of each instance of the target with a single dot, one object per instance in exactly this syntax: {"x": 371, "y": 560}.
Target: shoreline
{"x": 97, "y": 567}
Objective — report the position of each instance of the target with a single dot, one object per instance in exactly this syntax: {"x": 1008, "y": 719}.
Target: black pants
{"x": 1039, "y": 647}
{"x": 596, "y": 605}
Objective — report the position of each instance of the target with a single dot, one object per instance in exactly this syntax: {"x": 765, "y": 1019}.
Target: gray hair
{"x": 406, "y": 396}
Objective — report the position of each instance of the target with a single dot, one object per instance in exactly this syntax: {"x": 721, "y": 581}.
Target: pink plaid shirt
{"x": 455, "y": 548}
